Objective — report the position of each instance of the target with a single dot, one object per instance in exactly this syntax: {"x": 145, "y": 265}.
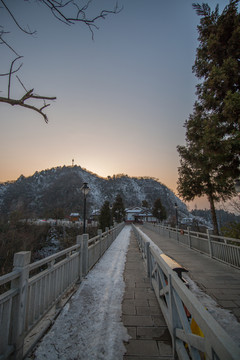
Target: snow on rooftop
{"x": 90, "y": 327}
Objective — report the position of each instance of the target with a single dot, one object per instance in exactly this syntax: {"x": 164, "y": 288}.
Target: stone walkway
{"x": 142, "y": 316}
{"x": 218, "y": 280}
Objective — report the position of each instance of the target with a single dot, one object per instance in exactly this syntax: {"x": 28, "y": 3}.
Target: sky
{"x": 122, "y": 98}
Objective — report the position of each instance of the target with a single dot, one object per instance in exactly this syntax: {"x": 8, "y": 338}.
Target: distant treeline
{"x": 223, "y": 217}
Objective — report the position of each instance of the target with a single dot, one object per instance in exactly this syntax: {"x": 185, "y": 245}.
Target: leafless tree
{"x": 68, "y": 12}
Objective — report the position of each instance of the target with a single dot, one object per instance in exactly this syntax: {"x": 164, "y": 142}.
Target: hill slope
{"x": 59, "y": 188}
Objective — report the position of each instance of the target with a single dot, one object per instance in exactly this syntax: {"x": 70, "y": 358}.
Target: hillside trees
{"x": 69, "y": 12}
{"x": 118, "y": 209}
{"x": 105, "y": 216}
{"x": 209, "y": 163}
{"x": 159, "y": 210}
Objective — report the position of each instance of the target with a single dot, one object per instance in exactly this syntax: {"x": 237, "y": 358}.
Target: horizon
{"x": 190, "y": 205}
{"x": 122, "y": 99}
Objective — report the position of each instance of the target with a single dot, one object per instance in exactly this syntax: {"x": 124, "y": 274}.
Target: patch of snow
{"x": 223, "y": 316}
{"x": 90, "y": 327}
{"x": 53, "y": 244}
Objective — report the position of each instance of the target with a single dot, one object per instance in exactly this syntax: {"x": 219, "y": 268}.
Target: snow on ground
{"x": 90, "y": 327}
{"x": 223, "y": 316}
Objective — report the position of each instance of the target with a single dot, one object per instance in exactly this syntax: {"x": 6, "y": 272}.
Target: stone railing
{"x": 219, "y": 248}
{"x": 36, "y": 288}
{"x": 195, "y": 333}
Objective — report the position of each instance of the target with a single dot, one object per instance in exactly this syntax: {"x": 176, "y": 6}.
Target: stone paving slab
{"x": 141, "y": 314}
{"x": 218, "y": 280}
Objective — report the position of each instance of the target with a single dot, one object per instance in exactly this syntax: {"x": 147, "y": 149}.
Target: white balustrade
{"x": 34, "y": 289}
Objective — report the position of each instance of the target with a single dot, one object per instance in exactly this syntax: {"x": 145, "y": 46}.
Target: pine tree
{"x": 105, "y": 216}
{"x": 211, "y": 158}
{"x": 159, "y": 210}
{"x": 118, "y": 210}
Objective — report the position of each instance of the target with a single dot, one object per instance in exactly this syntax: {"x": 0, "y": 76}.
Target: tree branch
{"x": 14, "y": 19}
{"x": 10, "y": 74}
{"x": 27, "y": 96}
{"x": 62, "y": 10}
{"x": 57, "y": 6}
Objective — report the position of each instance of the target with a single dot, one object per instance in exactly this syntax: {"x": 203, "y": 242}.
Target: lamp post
{"x": 111, "y": 215}
{"x": 176, "y": 207}
{"x": 85, "y": 190}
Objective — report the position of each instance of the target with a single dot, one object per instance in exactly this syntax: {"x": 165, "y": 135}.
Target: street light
{"x": 85, "y": 190}
{"x": 111, "y": 214}
{"x": 176, "y": 207}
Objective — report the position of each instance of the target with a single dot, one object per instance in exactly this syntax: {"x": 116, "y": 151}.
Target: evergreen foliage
{"x": 118, "y": 209}
{"x": 105, "y": 216}
{"x": 231, "y": 230}
{"x": 211, "y": 158}
{"x": 145, "y": 204}
{"x": 159, "y": 210}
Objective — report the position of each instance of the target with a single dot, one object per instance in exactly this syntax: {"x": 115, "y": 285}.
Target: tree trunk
{"x": 213, "y": 213}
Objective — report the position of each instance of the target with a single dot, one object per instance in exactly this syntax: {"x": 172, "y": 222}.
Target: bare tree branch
{"x": 61, "y": 10}
{"x": 7, "y": 74}
{"x": 10, "y": 75}
{"x": 4, "y": 42}
{"x": 14, "y": 19}
{"x": 27, "y": 96}
{"x": 57, "y": 7}
{"x": 21, "y": 83}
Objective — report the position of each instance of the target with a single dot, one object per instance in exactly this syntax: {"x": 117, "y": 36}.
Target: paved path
{"x": 220, "y": 281}
{"x": 150, "y": 339}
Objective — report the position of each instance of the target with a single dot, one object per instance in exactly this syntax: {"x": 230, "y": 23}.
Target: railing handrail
{"x": 219, "y": 248}
{"x": 9, "y": 277}
{"x": 52, "y": 257}
{"x": 177, "y": 303}
{"x": 197, "y": 233}
{"x": 32, "y": 296}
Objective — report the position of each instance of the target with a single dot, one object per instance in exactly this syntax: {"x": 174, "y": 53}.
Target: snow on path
{"x": 90, "y": 327}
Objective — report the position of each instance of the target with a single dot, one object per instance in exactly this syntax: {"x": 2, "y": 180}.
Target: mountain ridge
{"x": 59, "y": 188}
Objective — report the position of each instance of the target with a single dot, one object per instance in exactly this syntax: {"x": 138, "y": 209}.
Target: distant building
{"x": 187, "y": 221}
{"x": 74, "y": 217}
{"x": 139, "y": 215}
{"x": 95, "y": 215}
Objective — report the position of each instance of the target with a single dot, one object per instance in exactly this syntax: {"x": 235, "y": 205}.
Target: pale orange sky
{"x": 122, "y": 99}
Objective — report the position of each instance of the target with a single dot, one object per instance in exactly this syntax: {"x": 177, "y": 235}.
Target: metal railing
{"x": 219, "y": 248}
{"x": 38, "y": 287}
{"x": 195, "y": 333}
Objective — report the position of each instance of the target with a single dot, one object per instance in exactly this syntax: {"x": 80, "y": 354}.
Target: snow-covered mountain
{"x": 59, "y": 188}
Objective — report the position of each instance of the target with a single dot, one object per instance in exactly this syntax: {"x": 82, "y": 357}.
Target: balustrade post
{"x": 85, "y": 238}
{"x": 79, "y": 242}
{"x": 189, "y": 237}
{"x": 148, "y": 258}
{"x": 173, "y": 316}
{"x": 209, "y": 243}
{"x": 99, "y": 232}
{"x": 21, "y": 263}
{"x": 107, "y": 240}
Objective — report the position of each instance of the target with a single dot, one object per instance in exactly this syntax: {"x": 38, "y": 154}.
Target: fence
{"x": 195, "y": 334}
{"x": 219, "y": 248}
{"x": 38, "y": 287}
